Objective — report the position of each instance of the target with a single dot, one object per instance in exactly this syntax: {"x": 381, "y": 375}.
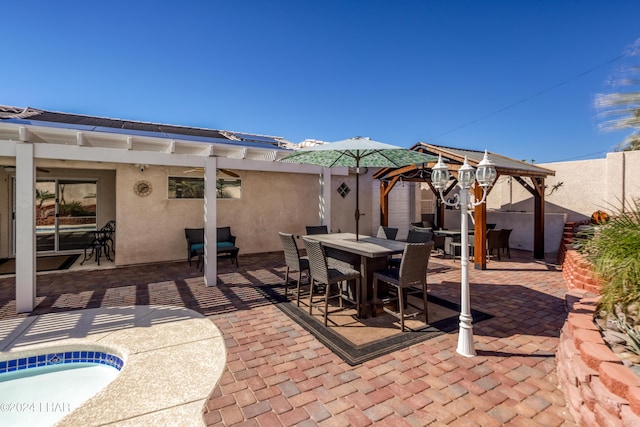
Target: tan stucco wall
{"x": 587, "y": 186}
{"x": 151, "y": 228}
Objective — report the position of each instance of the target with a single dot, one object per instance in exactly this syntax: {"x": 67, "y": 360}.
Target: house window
{"x": 193, "y": 188}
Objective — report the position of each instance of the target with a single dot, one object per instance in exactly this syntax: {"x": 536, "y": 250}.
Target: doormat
{"x": 43, "y": 263}
{"x": 357, "y": 340}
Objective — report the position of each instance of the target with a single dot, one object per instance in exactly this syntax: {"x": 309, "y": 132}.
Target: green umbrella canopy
{"x": 357, "y": 152}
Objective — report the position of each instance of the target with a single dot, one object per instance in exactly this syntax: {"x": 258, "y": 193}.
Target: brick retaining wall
{"x": 598, "y": 388}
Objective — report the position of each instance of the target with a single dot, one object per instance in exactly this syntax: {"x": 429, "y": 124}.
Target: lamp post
{"x": 485, "y": 175}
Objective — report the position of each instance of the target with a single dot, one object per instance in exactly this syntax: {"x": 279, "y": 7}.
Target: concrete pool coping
{"x": 174, "y": 357}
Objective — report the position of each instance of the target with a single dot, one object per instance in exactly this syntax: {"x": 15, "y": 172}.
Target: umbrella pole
{"x": 357, "y": 195}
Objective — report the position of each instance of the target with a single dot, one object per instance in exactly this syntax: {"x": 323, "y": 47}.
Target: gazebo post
{"x": 480, "y": 232}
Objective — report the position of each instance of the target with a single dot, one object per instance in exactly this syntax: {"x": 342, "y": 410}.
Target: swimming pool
{"x": 173, "y": 357}
{"x": 42, "y": 389}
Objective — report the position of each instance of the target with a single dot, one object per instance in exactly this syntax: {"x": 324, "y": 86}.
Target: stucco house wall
{"x": 151, "y": 228}
{"x": 270, "y": 202}
{"x": 583, "y": 187}
{"x": 578, "y": 189}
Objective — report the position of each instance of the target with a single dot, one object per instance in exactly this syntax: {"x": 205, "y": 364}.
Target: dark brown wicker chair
{"x": 389, "y": 233}
{"x": 195, "y": 241}
{"x": 323, "y": 274}
{"x": 294, "y": 262}
{"x": 409, "y": 279}
{"x": 498, "y": 240}
{"x": 317, "y": 229}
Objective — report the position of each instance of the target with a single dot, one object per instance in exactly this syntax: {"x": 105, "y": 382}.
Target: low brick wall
{"x": 598, "y": 388}
{"x": 576, "y": 270}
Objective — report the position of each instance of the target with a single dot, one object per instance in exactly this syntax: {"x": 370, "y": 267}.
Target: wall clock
{"x": 142, "y": 188}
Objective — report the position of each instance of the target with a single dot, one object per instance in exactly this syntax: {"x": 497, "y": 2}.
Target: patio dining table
{"x": 369, "y": 253}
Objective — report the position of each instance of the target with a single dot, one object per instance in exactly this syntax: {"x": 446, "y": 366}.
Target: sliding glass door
{"x": 65, "y": 214}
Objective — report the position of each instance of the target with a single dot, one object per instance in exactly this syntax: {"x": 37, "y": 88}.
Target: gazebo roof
{"x": 454, "y": 157}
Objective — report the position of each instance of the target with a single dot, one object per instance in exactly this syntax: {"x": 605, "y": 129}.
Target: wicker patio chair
{"x": 498, "y": 240}
{"x": 323, "y": 274}
{"x": 505, "y": 233}
{"x": 294, "y": 262}
{"x": 389, "y": 233}
{"x": 414, "y": 236}
{"x": 317, "y": 229}
{"x": 195, "y": 241}
{"x": 409, "y": 279}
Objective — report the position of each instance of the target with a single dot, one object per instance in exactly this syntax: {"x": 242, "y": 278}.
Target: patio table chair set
{"x": 404, "y": 279}
{"x": 101, "y": 243}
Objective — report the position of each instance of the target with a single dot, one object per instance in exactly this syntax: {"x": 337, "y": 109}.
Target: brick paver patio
{"x": 278, "y": 374}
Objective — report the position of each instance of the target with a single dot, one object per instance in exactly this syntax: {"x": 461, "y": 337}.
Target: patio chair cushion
{"x": 224, "y": 244}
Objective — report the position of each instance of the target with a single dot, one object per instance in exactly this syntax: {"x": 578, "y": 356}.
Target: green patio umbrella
{"x": 358, "y": 152}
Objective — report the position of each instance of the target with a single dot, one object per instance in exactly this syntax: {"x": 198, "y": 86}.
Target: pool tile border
{"x": 50, "y": 359}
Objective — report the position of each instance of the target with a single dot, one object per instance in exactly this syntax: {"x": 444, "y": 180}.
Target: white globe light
{"x": 466, "y": 175}
{"x": 440, "y": 175}
{"x": 486, "y": 172}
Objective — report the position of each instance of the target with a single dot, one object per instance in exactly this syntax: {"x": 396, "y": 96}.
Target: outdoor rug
{"x": 357, "y": 340}
{"x": 43, "y": 263}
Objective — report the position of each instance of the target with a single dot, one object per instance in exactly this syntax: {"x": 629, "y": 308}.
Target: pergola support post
{"x": 538, "y": 218}
{"x": 480, "y": 232}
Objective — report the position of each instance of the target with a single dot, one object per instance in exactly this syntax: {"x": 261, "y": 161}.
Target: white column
{"x": 210, "y": 224}
{"x": 25, "y": 229}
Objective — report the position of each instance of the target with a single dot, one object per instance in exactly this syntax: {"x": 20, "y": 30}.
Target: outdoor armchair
{"x": 195, "y": 241}
{"x": 225, "y": 243}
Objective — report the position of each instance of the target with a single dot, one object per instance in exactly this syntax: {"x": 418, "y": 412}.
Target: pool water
{"x": 43, "y": 395}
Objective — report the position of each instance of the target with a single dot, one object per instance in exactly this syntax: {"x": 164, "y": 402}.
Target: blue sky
{"x": 515, "y": 77}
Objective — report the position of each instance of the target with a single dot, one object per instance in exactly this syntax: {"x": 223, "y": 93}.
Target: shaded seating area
{"x": 409, "y": 279}
{"x": 531, "y": 177}
{"x": 225, "y": 244}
